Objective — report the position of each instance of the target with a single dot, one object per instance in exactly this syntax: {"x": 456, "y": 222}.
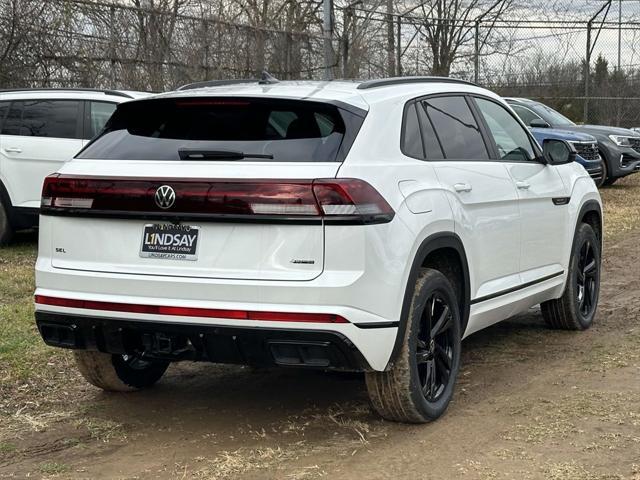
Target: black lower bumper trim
{"x": 219, "y": 344}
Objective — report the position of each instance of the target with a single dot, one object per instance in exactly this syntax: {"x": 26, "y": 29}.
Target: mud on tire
{"x": 419, "y": 385}
{"x": 118, "y": 373}
{"x": 576, "y": 308}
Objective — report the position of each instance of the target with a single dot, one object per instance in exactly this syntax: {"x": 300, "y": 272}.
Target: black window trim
{"x": 79, "y": 119}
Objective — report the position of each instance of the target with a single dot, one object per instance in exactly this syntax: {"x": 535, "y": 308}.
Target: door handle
{"x": 13, "y": 150}
{"x": 523, "y": 185}
{"x": 462, "y": 187}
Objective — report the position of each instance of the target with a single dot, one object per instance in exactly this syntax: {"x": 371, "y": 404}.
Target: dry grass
{"x": 621, "y": 207}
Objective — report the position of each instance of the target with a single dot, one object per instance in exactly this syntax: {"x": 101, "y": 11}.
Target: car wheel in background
{"x": 600, "y": 182}
{"x": 577, "y": 306}
{"x": 6, "y": 231}
{"x": 119, "y": 373}
{"x": 419, "y": 385}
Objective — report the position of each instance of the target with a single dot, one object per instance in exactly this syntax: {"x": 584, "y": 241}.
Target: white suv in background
{"x": 331, "y": 225}
{"x": 40, "y": 129}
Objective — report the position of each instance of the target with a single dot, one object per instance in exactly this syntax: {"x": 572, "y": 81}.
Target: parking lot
{"x": 530, "y": 402}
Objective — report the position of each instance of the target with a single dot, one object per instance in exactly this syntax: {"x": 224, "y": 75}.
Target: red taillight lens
{"x": 191, "y": 312}
{"x": 349, "y": 197}
{"x": 338, "y": 199}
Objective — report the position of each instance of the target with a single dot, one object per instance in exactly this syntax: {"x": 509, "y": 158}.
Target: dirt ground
{"x": 531, "y": 403}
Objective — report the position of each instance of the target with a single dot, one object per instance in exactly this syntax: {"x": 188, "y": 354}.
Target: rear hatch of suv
{"x": 209, "y": 187}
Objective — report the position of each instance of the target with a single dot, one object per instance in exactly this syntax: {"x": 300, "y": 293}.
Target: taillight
{"x": 335, "y": 200}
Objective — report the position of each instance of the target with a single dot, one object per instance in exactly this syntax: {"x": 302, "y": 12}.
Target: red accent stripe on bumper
{"x": 191, "y": 312}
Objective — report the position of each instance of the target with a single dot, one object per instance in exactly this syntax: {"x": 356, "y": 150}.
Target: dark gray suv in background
{"x": 619, "y": 147}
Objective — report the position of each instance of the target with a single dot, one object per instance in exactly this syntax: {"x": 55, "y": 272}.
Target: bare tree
{"x": 448, "y": 25}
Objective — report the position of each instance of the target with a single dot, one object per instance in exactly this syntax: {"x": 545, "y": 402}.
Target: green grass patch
{"x": 6, "y": 448}
{"x": 53, "y": 468}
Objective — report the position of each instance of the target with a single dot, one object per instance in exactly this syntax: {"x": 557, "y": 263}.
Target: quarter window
{"x": 511, "y": 138}
{"x": 43, "y": 118}
{"x": 411, "y": 139}
{"x": 100, "y": 113}
{"x": 456, "y": 128}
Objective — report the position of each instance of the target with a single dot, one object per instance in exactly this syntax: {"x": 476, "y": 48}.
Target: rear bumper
{"x": 174, "y": 341}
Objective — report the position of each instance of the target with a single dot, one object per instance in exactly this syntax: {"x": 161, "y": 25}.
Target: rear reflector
{"x": 191, "y": 312}
{"x": 337, "y": 200}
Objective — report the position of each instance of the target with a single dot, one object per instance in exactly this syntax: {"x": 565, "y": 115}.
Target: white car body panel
{"x": 511, "y": 235}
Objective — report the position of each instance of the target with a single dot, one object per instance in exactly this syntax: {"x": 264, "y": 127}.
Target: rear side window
{"x": 226, "y": 128}
{"x": 44, "y": 118}
{"x": 99, "y": 114}
{"x": 456, "y": 128}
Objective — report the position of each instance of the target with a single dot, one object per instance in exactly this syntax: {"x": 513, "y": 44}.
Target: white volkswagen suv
{"x": 40, "y": 129}
{"x": 331, "y": 225}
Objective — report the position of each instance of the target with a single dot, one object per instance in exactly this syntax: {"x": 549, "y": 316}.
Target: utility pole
{"x": 327, "y": 31}
{"x": 391, "y": 48}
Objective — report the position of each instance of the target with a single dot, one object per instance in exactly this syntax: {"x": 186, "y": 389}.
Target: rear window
{"x": 226, "y": 129}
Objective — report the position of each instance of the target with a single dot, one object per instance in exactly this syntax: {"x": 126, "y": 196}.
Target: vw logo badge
{"x": 165, "y": 197}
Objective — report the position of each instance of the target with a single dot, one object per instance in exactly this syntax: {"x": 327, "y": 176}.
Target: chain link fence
{"x": 586, "y": 65}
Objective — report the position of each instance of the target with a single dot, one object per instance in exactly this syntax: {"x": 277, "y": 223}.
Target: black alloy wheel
{"x": 435, "y": 347}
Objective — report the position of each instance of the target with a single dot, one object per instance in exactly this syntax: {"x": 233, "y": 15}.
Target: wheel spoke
{"x": 443, "y": 356}
{"x": 432, "y": 379}
{"x": 443, "y": 322}
{"x": 426, "y": 386}
{"x": 422, "y": 356}
{"x": 590, "y": 269}
{"x": 444, "y": 371}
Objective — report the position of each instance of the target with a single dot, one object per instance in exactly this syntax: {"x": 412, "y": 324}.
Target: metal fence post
{"x": 476, "y": 52}
{"x": 327, "y": 33}
{"x": 205, "y": 24}
{"x": 399, "y": 47}
{"x": 587, "y": 75}
{"x": 112, "y": 45}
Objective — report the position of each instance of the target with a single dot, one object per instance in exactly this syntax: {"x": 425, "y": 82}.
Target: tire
{"x": 609, "y": 181}
{"x": 118, "y": 373}
{"x": 577, "y": 307}
{"x": 405, "y": 393}
{"x": 6, "y": 230}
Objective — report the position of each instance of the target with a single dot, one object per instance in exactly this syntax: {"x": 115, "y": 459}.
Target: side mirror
{"x": 538, "y": 123}
{"x": 558, "y": 152}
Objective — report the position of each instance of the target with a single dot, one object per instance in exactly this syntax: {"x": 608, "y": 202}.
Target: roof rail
{"x": 116, "y": 93}
{"x": 215, "y": 83}
{"x": 265, "y": 79}
{"x": 384, "y": 82}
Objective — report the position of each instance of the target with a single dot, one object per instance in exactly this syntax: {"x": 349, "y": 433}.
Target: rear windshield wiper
{"x": 189, "y": 154}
